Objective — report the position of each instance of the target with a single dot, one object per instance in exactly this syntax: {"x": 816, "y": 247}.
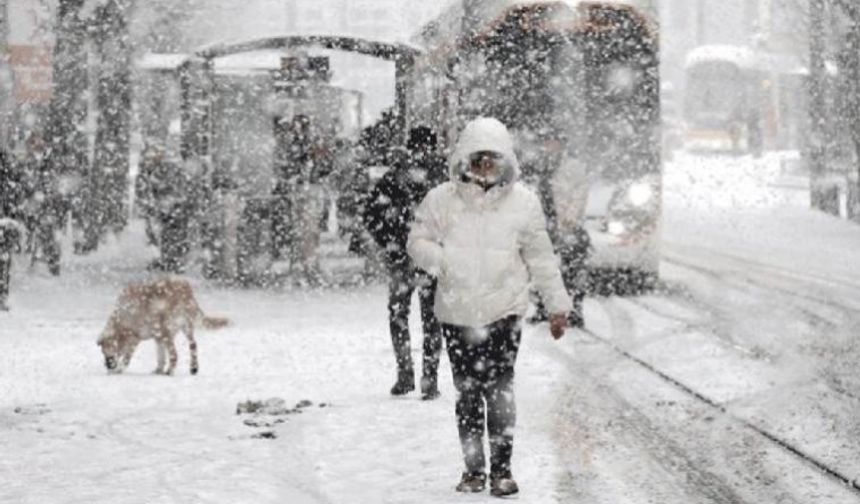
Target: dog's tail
{"x": 213, "y": 322}
{"x": 197, "y": 312}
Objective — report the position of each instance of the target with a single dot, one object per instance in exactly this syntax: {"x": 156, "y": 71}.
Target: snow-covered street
{"x": 759, "y": 317}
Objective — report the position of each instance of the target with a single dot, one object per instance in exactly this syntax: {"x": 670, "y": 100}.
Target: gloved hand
{"x": 557, "y": 324}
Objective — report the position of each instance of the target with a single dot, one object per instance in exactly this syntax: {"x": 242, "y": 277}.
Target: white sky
{"x": 224, "y": 19}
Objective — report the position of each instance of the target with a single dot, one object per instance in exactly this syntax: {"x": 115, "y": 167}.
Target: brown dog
{"x": 158, "y": 310}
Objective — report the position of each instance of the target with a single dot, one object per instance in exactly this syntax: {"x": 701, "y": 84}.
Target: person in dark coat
{"x": 302, "y": 163}
{"x": 561, "y": 183}
{"x": 11, "y": 214}
{"x": 164, "y": 196}
{"x": 351, "y": 181}
{"x": 48, "y": 196}
{"x": 388, "y": 214}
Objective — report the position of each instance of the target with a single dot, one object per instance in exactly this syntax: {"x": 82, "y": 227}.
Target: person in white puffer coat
{"x": 483, "y": 236}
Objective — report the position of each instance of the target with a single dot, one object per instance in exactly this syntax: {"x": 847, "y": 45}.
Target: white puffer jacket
{"x": 485, "y": 247}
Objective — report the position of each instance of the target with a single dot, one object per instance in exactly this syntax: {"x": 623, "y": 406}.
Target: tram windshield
{"x": 535, "y": 86}
{"x": 715, "y": 94}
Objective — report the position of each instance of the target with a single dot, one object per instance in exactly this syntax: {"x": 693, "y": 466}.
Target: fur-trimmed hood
{"x": 485, "y": 134}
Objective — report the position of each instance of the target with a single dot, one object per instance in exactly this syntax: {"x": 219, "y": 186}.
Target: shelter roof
{"x": 376, "y": 48}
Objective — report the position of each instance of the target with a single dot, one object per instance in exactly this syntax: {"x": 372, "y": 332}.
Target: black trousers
{"x": 8, "y": 243}
{"x": 574, "y": 273}
{"x": 5, "y": 273}
{"x": 46, "y": 235}
{"x": 175, "y": 243}
{"x": 482, "y": 361}
{"x": 403, "y": 283}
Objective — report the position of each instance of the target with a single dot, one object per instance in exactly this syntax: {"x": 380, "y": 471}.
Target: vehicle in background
{"x": 742, "y": 101}
{"x": 574, "y": 81}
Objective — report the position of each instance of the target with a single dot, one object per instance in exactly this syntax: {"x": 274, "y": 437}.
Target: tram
{"x": 577, "y": 82}
{"x": 741, "y": 101}
{"x": 722, "y": 102}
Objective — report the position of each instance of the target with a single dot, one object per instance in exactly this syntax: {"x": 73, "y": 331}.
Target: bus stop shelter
{"x": 197, "y": 74}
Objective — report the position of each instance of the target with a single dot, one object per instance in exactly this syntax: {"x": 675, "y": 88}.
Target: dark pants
{"x": 574, "y": 273}
{"x": 482, "y": 361}
{"x": 402, "y": 284}
{"x": 5, "y": 273}
{"x": 47, "y": 239}
{"x": 50, "y": 219}
{"x": 175, "y": 238}
{"x": 282, "y": 232}
{"x": 8, "y": 243}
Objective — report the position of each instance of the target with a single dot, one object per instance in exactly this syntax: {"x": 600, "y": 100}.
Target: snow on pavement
{"x": 593, "y": 427}
{"x": 71, "y": 433}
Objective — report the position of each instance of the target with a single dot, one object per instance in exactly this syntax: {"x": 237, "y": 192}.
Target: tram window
{"x": 714, "y": 94}
{"x": 534, "y": 85}
{"x": 567, "y": 91}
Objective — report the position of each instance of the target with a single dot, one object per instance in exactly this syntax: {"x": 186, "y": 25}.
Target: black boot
{"x": 429, "y": 388}
{"x": 472, "y": 482}
{"x": 503, "y": 486}
{"x": 405, "y": 383}
{"x": 575, "y": 318}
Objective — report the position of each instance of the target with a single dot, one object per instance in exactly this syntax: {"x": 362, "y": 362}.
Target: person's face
{"x": 485, "y": 165}
{"x": 553, "y": 145}
{"x": 423, "y": 148}
{"x": 35, "y": 145}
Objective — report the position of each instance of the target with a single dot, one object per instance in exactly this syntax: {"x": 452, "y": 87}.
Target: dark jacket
{"x": 388, "y": 211}
{"x": 12, "y": 188}
{"x": 12, "y": 194}
{"x": 301, "y": 157}
{"x": 163, "y": 188}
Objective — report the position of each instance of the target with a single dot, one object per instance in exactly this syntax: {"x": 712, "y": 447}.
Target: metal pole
{"x": 817, "y": 146}
{"x": 403, "y": 70}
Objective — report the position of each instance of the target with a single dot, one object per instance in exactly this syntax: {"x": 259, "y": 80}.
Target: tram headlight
{"x": 640, "y": 194}
{"x": 616, "y": 228}
{"x": 621, "y": 80}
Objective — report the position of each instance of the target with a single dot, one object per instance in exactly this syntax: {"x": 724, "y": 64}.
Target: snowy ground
{"x": 759, "y": 316}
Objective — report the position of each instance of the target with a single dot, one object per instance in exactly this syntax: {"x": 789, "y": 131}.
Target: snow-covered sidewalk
{"x": 71, "y": 433}
{"x": 758, "y": 317}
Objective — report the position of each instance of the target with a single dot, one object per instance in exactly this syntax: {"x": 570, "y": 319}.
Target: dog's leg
{"x": 171, "y": 352}
{"x": 126, "y": 359}
{"x": 192, "y": 347}
{"x": 166, "y": 337}
{"x": 126, "y": 356}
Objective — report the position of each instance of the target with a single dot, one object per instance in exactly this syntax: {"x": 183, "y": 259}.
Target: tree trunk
{"x": 469, "y": 23}
{"x": 816, "y": 150}
{"x": 113, "y": 104}
{"x": 853, "y": 77}
{"x": 67, "y": 144}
